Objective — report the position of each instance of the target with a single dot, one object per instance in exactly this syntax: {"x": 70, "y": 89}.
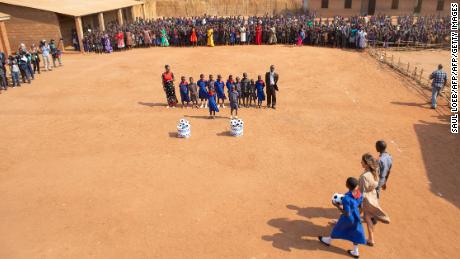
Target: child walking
{"x": 203, "y": 93}
{"x": 349, "y": 226}
{"x": 260, "y": 91}
{"x": 184, "y": 95}
{"x": 192, "y": 88}
{"x": 233, "y": 96}
{"x": 213, "y": 108}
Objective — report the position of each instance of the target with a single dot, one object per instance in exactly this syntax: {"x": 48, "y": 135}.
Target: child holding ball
{"x": 349, "y": 226}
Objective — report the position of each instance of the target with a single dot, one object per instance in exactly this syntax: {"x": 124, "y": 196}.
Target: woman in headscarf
{"x": 368, "y": 182}
{"x": 168, "y": 85}
{"x": 107, "y": 45}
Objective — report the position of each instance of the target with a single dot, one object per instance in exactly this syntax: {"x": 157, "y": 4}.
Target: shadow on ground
{"x": 302, "y": 234}
{"x": 441, "y": 151}
{"x": 153, "y": 104}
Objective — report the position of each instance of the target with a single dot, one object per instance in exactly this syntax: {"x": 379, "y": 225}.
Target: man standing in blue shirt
{"x": 385, "y": 164}
{"x": 439, "y": 78}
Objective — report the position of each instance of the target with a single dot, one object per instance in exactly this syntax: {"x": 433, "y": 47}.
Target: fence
{"x": 408, "y": 45}
{"x": 413, "y": 72}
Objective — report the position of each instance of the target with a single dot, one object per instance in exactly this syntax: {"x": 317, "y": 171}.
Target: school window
{"x": 324, "y": 3}
{"x": 395, "y": 4}
{"x": 348, "y": 4}
{"x": 440, "y": 6}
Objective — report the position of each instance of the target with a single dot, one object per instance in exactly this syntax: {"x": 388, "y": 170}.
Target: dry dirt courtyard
{"x": 91, "y": 167}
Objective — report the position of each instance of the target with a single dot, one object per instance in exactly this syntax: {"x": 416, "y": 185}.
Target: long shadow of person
{"x": 302, "y": 234}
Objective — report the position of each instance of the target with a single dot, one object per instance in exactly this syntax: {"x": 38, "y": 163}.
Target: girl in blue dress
{"x": 219, "y": 84}
{"x": 260, "y": 91}
{"x": 349, "y": 226}
{"x": 212, "y": 104}
{"x": 202, "y": 92}
{"x": 184, "y": 95}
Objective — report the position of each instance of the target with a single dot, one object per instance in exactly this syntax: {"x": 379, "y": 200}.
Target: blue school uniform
{"x": 184, "y": 96}
{"x": 220, "y": 90}
{"x": 230, "y": 85}
{"x": 212, "y": 103}
{"x": 232, "y": 38}
{"x": 349, "y": 226}
{"x": 260, "y": 90}
{"x": 202, "y": 92}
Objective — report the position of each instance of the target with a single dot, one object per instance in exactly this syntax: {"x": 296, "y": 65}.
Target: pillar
{"x": 5, "y": 43}
{"x": 100, "y": 17}
{"x": 79, "y": 29}
{"x": 133, "y": 14}
{"x": 144, "y": 16}
{"x": 120, "y": 17}
{"x": 305, "y": 5}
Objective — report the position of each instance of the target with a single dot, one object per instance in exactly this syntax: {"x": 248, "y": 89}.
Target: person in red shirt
{"x": 168, "y": 85}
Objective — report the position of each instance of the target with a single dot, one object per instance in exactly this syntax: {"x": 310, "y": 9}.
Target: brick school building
{"x": 31, "y": 21}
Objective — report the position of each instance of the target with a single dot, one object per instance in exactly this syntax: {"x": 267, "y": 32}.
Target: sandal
{"x": 370, "y": 243}
{"x": 320, "y": 238}
{"x": 351, "y": 254}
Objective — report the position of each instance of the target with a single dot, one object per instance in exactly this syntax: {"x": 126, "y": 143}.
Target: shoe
{"x": 320, "y": 238}
{"x": 350, "y": 252}
{"x": 433, "y": 107}
{"x": 273, "y": 107}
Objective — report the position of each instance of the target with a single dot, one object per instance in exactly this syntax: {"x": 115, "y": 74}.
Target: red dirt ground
{"x": 91, "y": 168}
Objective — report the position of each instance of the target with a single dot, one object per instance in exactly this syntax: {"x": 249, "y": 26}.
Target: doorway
{"x": 371, "y": 7}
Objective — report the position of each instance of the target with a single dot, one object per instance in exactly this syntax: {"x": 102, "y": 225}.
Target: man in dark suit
{"x": 271, "y": 80}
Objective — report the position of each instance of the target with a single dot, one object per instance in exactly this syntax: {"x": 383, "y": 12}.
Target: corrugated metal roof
{"x": 74, "y": 7}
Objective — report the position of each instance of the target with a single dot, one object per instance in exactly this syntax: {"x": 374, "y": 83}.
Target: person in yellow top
{"x": 210, "y": 37}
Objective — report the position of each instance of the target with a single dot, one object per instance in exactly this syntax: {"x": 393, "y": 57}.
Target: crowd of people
{"x": 363, "y": 198}
{"x": 24, "y": 64}
{"x": 305, "y": 29}
{"x": 242, "y": 92}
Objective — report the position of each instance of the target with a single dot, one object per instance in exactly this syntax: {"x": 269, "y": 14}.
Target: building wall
{"x": 110, "y": 16}
{"x": 177, "y": 8}
{"x": 67, "y": 24}
{"x": 219, "y": 7}
{"x": 429, "y": 7}
{"x": 29, "y": 25}
{"x": 336, "y": 7}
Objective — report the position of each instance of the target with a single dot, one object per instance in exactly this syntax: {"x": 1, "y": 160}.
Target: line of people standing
{"x": 241, "y": 92}
{"x": 24, "y": 64}
{"x": 305, "y": 29}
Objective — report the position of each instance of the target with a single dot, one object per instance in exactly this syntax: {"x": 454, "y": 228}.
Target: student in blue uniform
{"x": 230, "y": 84}
{"x": 212, "y": 104}
{"x": 260, "y": 91}
{"x": 202, "y": 92}
{"x": 219, "y": 84}
{"x": 184, "y": 95}
{"x": 349, "y": 226}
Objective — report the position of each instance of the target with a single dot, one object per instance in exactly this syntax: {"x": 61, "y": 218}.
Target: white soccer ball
{"x": 337, "y": 198}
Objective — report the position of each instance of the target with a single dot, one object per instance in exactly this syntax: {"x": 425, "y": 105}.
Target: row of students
{"x": 249, "y": 92}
